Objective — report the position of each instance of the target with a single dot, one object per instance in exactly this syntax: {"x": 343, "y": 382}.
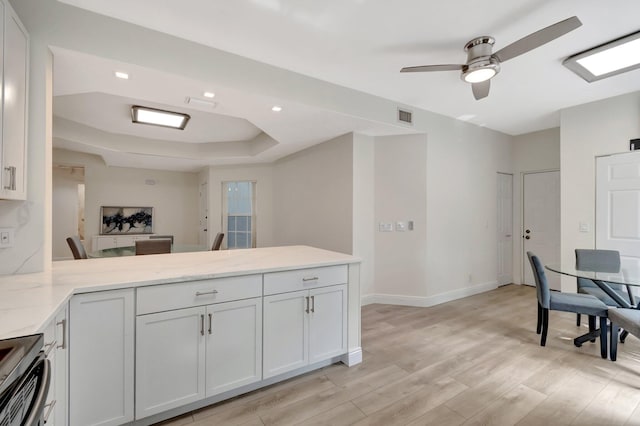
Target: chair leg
{"x": 623, "y": 335}
{"x": 577, "y": 320}
{"x": 539, "y": 326}
{"x": 592, "y": 325}
{"x": 545, "y": 326}
{"x": 613, "y": 339}
{"x": 603, "y": 337}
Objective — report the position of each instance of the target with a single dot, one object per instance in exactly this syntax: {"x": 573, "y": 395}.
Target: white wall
{"x": 401, "y": 195}
{"x": 65, "y": 210}
{"x": 313, "y": 201}
{"x": 263, "y": 176}
{"x": 174, "y": 196}
{"x": 462, "y": 162}
{"x": 532, "y": 152}
{"x": 586, "y": 131}
{"x": 363, "y": 209}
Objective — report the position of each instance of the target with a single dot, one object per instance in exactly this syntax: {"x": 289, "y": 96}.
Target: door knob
{"x": 527, "y": 237}
{"x": 528, "y": 231}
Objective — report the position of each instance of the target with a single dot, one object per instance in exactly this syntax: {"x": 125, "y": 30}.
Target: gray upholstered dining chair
{"x": 627, "y": 318}
{"x": 566, "y": 302}
{"x": 153, "y": 246}
{"x": 603, "y": 261}
{"x": 217, "y": 242}
{"x": 77, "y": 249}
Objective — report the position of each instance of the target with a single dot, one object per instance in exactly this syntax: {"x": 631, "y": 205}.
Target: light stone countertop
{"x": 29, "y": 301}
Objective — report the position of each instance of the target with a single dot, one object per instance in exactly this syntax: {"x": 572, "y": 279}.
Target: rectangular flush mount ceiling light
{"x": 158, "y": 117}
{"x": 612, "y": 58}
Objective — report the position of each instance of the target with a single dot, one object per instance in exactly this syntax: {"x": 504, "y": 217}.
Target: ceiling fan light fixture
{"x": 479, "y": 75}
{"x": 159, "y": 117}
{"x": 481, "y": 70}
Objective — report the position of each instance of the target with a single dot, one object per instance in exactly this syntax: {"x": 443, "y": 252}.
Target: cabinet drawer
{"x": 166, "y": 297}
{"x": 301, "y": 279}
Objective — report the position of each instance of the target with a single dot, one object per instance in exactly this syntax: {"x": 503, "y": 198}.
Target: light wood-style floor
{"x": 474, "y": 361}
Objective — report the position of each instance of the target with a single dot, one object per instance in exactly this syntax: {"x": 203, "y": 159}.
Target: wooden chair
{"x": 217, "y": 242}
{"x": 566, "y": 302}
{"x": 76, "y": 247}
{"x": 155, "y": 246}
{"x": 161, "y": 237}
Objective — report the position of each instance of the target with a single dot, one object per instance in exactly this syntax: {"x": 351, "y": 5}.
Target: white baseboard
{"x": 424, "y": 302}
{"x": 352, "y": 358}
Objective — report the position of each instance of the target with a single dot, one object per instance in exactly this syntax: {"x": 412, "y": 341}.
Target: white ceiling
{"x": 362, "y": 44}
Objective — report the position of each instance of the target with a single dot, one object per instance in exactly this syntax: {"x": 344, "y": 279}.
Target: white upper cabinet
{"x": 15, "y": 77}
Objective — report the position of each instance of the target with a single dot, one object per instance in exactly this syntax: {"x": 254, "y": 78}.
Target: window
{"x": 238, "y": 214}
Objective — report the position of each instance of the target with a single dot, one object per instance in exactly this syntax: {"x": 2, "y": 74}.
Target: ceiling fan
{"x": 482, "y": 65}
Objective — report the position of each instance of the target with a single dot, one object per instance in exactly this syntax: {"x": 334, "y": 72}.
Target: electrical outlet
{"x": 6, "y": 237}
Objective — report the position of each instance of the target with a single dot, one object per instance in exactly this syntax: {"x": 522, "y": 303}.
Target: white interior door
{"x": 505, "y": 229}
{"x": 618, "y": 205}
{"x": 203, "y": 231}
{"x": 541, "y": 223}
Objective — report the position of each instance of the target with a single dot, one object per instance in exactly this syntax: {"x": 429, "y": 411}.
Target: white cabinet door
{"x": 234, "y": 345}
{"x": 101, "y": 243}
{"x": 14, "y": 122}
{"x": 101, "y": 358}
{"x": 286, "y": 343}
{"x": 327, "y": 323}
{"x": 170, "y": 360}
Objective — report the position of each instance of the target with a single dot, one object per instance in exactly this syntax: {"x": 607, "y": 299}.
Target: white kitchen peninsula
{"x": 178, "y": 319}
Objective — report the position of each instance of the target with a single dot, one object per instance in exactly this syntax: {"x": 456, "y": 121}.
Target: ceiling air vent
{"x": 405, "y": 116}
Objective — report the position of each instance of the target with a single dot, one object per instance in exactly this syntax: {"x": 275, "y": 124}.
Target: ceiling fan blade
{"x": 537, "y": 39}
{"x": 481, "y": 90}
{"x": 425, "y": 68}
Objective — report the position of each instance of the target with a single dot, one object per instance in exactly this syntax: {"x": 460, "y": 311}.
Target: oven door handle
{"x": 37, "y": 406}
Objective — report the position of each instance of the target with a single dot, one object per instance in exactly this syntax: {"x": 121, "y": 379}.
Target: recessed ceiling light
{"x": 158, "y": 117}
{"x": 122, "y": 75}
{"x": 612, "y": 58}
{"x": 276, "y": 108}
{"x": 209, "y": 94}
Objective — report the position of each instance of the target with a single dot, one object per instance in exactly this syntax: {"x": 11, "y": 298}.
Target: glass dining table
{"x": 131, "y": 250}
{"x": 628, "y": 275}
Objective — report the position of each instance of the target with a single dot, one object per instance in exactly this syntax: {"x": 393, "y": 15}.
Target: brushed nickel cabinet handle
{"x": 49, "y": 347}
{"x": 12, "y": 178}
{"x": 203, "y": 293}
{"x": 305, "y": 279}
{"x": 313, "y": 303}
{"x": 210, "y": 322}
{"x": 49, "y": 407}
{"x": 307, "y": 309}
{"x": 202, "y": 324}
{"x": 63, "y": 323}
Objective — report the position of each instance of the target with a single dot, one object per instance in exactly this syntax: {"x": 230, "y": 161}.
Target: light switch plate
{"x": 583, "y": 227}
{"x": 385, "y": 227}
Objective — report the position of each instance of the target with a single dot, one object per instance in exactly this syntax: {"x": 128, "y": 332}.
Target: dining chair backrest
{"x": 217, "y": 242}
{"x": 153, "y": 246}
{"x": 161, "y": 237}
{"x": 542, "y": 285}
{"x": 598, "y": 260}
{"x": 77, "y": 249}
